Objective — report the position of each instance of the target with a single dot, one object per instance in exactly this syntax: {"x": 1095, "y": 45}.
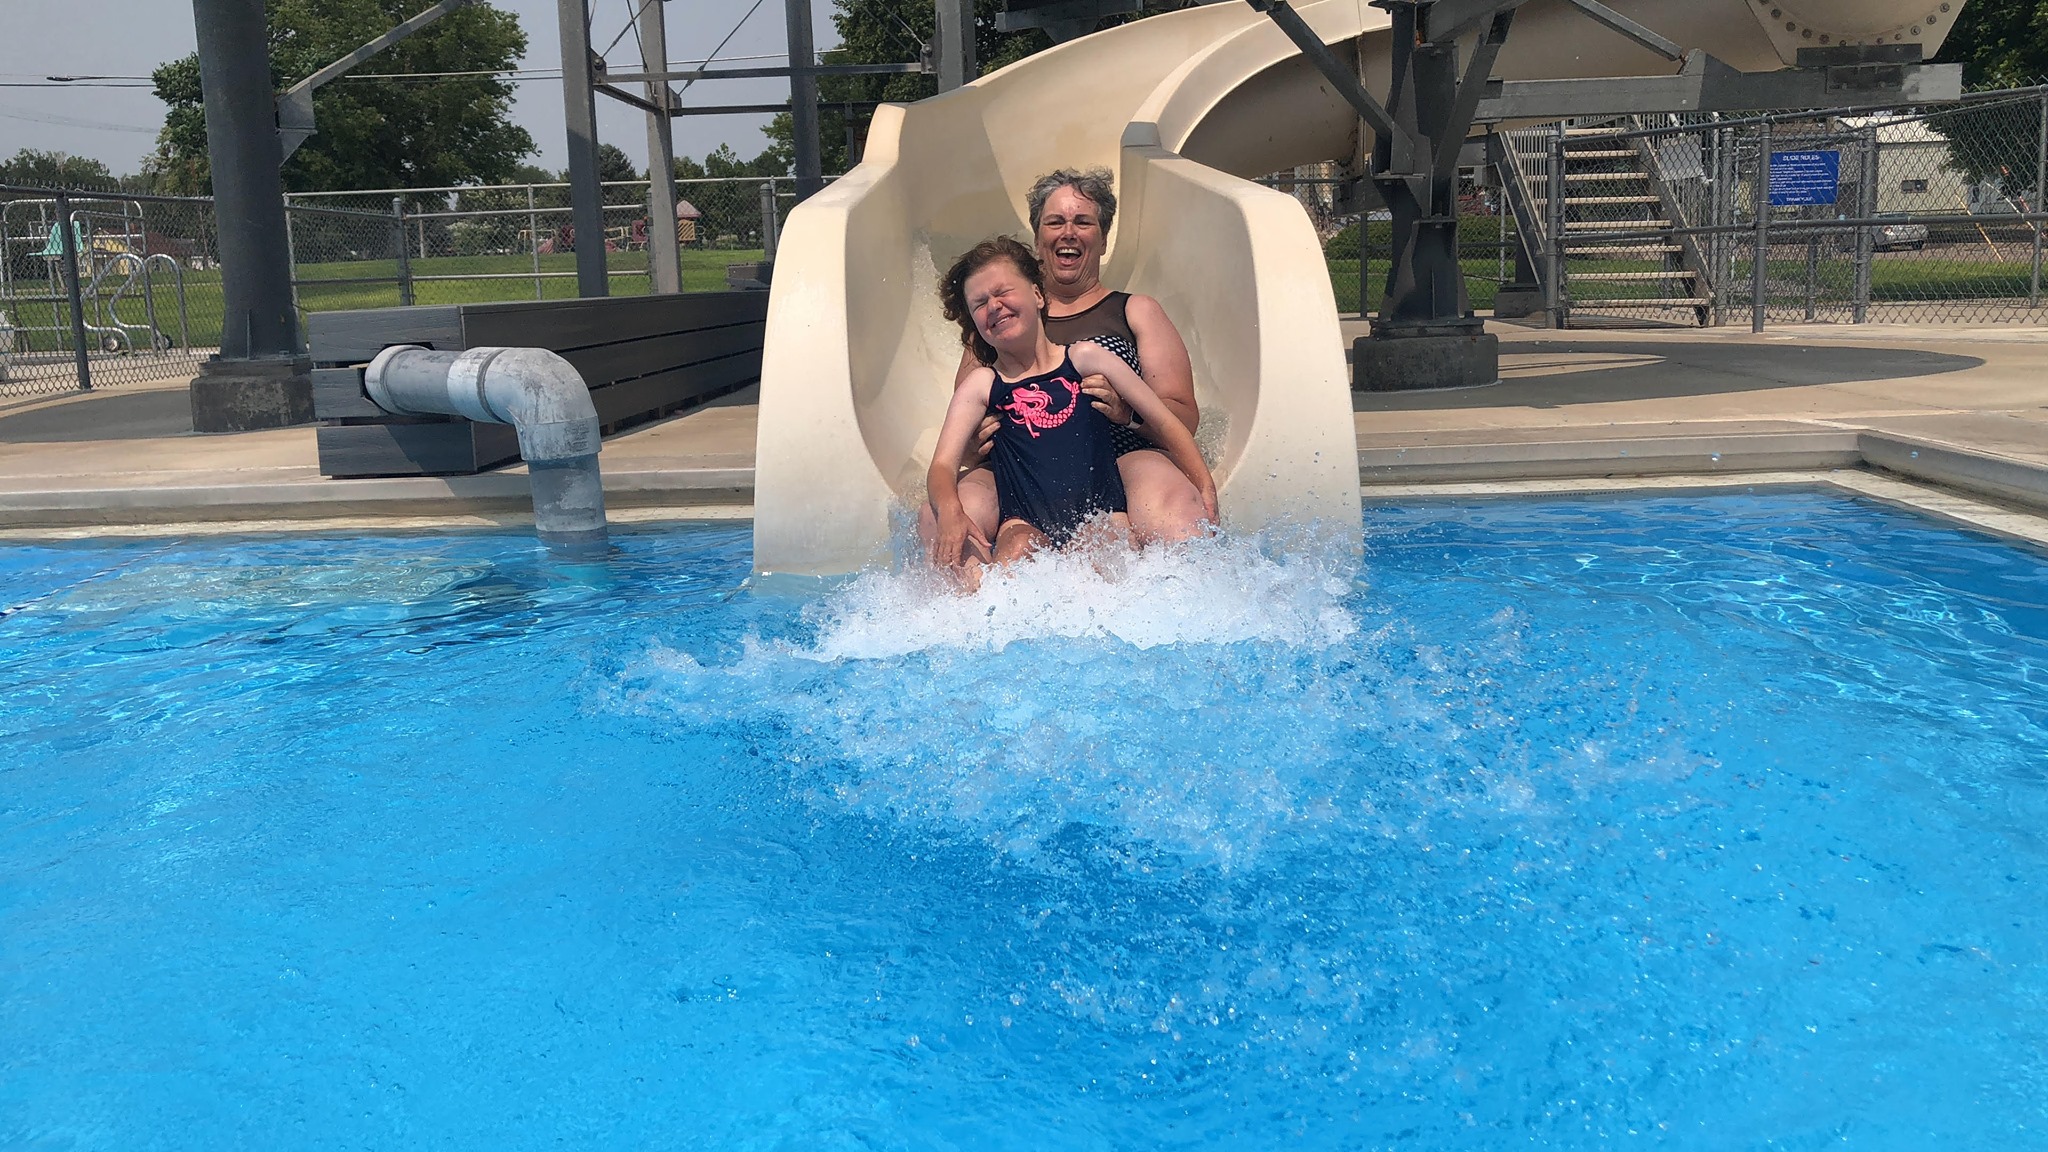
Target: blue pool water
{"x": 1689, "y": 822}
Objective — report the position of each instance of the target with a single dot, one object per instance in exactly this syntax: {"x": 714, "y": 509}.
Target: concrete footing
{"x": 1408, "y": 363}
{"x": 1518, "y": 302}
{"x": 247, "y": 395}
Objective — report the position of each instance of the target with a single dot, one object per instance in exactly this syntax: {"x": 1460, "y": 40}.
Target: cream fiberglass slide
{"x": 1186, "y": 108}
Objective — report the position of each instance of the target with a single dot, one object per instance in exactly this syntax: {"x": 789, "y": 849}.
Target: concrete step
{"x": 1621, "y": 248}
{"x": 1618, "y": 277}
{"x": 1643, "y": 302}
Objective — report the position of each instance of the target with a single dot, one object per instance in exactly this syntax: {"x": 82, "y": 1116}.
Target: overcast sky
{"x": 131, "y": 37}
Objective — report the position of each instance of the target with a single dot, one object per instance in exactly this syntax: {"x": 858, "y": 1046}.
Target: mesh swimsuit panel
{"x": 1105, "y": 323}
{"x": 1053, "y": 461}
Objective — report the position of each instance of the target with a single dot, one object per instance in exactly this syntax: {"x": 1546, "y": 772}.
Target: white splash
{"x": 1220, "y": 590}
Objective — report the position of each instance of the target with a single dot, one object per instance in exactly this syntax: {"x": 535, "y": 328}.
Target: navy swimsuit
{"x": 1054, "y": 461}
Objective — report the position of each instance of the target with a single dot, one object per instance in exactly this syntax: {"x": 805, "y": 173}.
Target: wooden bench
{"x": 644, "y": 357}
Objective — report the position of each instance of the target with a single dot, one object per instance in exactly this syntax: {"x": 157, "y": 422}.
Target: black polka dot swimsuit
{"x": 1105, "y": 323}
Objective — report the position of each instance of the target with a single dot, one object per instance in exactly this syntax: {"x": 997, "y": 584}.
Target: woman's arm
{"x": 1168, "y": 373}
{"x": 1161, "y": 422}
{"x": 942, "y": 483}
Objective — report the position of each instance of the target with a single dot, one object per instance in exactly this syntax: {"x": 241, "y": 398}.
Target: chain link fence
{"x": 102, "y": 288}
{"x": 1922, "y": 216}
{"x": 459, "y": 245}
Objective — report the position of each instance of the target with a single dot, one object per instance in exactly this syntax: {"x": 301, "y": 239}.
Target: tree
{"x": 373, "y": 133}
{"x": 55, "y": 170}
{"x": 613, "y": 164}
{"x": 733, "y": 207}
{"x": 2000, "y": 44}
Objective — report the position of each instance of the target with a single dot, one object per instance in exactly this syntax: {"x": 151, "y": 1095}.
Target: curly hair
{"x": 953, "y": 287}
{"x": 1096, "y": 184}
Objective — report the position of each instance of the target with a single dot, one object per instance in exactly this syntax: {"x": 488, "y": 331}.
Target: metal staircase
{"x": 1597, "y": 205}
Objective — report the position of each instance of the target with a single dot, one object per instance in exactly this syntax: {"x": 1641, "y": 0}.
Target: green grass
{"x": 1480, "y": 285}
{"x": 511, "y": 279}
{"x": 1894, "y": 278}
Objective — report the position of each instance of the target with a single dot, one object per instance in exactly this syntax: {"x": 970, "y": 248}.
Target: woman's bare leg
{"x": 1018, "y": 540}
{"x": 1164, "y": 505}
{"x": 977, "y": 499}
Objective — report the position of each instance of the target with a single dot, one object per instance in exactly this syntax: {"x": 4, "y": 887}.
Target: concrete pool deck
{"x": 1965, "y": 409}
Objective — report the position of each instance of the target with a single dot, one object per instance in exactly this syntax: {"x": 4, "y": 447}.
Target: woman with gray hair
{"x": 1071, "y": 212}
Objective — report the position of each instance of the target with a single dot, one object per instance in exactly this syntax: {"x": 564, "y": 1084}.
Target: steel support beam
{"x": 645, "y": 105}
{"x": 664, "y": 255}
{"x": 953, "y": 42}
{"x": 579, "y": 107}
{"x": 1614, "y": 21}
{"x": 803, "y": 100}
{"x": 1344, "y": 78}
{"x": 295, "y": 105}
{"x": 692, "y": 75}
{"x": 260, "y": 378}
{"x": 1707, "y": 85}
{"x": 242, "y": 144}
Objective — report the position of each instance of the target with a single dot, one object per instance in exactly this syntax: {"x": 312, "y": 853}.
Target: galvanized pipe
{"x": 1760, "y": 246}
{"x": 537, "y": 392}
{"x": 2040, "y": 194}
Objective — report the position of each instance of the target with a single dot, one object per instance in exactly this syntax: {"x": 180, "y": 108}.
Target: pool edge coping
{"x": 1986, "y": 490}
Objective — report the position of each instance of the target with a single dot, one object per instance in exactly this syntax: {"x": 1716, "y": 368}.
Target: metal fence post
{"x": 69, "y": 244}
{"x": 2040, "y": 190}
{"x": 533, "y": 239}
{"x": 1760, "y": 247}
{"x": 404, "y": 252}
{"x": 768, "y": 236}
{"x": 1812, "y": 275}
{"x": 1554, "y": 213}
{"x": 291, "y": 253}
{"x": 1866, "y": 207}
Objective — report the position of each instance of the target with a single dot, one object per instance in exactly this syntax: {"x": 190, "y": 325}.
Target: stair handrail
{"x": 1689, "y": 254}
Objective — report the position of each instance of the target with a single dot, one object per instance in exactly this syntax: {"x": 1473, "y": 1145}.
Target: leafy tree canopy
{"x": 2000, "y": 43}
{"x": 55, "y": 169}
{"x": 372, "y": 133}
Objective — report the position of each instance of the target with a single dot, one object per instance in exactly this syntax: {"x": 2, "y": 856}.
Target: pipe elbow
{"x": 544, "y": 398}
{"x": 540, "y": 394}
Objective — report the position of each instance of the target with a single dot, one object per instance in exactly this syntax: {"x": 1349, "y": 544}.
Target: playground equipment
{"x": 119, "y": 278}
{"x": 1187, "y": 107}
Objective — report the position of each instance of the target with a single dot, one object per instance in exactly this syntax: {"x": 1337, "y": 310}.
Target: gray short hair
{"x": 1096, "y": 184}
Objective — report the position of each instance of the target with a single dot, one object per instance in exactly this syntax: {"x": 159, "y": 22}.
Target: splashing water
{"x": 1218, "y": 590}
{"x": 1044, "y": 700}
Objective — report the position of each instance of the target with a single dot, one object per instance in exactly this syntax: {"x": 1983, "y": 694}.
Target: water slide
{"x": 1186, "y": 108}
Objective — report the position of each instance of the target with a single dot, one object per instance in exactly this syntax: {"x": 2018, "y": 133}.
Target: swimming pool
{"x": 1685, "y": 821}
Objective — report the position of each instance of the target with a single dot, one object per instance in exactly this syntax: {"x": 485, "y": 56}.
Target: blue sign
{"x": 1805, "y": 178}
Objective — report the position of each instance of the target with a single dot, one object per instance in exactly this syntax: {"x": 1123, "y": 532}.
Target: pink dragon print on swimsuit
{"x": 1032, "y": 406}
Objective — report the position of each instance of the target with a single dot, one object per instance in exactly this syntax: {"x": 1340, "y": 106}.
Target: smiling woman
{"x": 1071, "y": 215}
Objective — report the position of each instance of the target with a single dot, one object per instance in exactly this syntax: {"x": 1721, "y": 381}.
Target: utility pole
{"x": 664, "y": 258}
{"x": 260, "y": 378}
{"x": 579, "y": 106}
{"x": 954, "y": 22}
{"x": 803, "y": 99}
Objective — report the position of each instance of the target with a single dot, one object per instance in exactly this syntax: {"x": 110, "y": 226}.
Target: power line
{"x": 70, "y": 122}
{"x": 71, "y": 84}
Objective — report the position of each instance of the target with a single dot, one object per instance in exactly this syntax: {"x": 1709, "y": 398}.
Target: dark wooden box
{"x": 644, "y": 357}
